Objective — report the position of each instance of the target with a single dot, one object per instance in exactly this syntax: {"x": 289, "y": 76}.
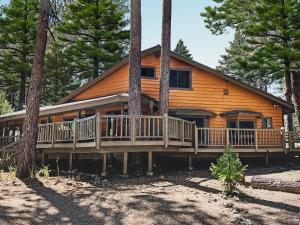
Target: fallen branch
{"x": 272, "y": 184}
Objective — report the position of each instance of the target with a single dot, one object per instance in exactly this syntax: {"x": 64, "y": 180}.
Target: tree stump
{"x": 272, "y": 184}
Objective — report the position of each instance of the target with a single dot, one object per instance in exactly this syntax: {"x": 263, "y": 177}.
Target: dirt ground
{"x": 175, "y": 198}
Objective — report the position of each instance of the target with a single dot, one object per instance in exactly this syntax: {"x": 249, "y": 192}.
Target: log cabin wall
{"x": 207, "y": 93}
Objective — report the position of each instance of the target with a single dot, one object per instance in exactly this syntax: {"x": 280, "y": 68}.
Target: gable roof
{"x": 156, "y": 49}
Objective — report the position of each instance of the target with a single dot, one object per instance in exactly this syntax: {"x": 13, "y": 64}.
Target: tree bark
{"x": 295, "y": 86}
{"x": 165, "y": 57}
{"x": 288, "y": 92}
{"x": 275, "y": 184}
{"x": 26, "y": 160}
{"x": 134, "y": 101}
{"x": 134, "y": 91}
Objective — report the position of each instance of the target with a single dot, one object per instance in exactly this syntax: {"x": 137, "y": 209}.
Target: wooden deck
{"x": 118, "y": 133}
{"x": 103, "y": 134}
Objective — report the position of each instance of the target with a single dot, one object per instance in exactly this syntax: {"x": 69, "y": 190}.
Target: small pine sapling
{"x": 229, "y": 170}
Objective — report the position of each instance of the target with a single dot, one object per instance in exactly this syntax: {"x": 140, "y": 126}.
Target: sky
{"x": 187, "y": 24}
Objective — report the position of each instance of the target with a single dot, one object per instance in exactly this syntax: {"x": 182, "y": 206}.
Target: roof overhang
{"x": 237, "y": 113}
{"x": 68, "y": 107}
{"x": 191, "y": 112}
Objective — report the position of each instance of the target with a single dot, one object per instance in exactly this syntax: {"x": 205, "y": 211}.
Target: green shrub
{"x": 228, "y": 169}
{"x": 44, "y": 171}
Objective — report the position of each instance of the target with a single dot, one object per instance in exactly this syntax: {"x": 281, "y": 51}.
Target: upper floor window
{"x": 180, "y": 79}
{"x": 267, "y": 122}
{"x": 148, "y": 72}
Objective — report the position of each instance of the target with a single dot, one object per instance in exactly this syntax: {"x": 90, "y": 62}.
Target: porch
{"x": 108, "y": 133}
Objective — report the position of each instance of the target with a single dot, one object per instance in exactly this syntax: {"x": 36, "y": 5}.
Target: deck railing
{"x": 85, "y": 129}
{"x": 109, "y": 130}
{"x": 253, "y": 138}
{"x": 116, "y": 130}
{"x": 6, "y": 140}
{"x": 125, "y": 130}
{"x": 180, "y": 130}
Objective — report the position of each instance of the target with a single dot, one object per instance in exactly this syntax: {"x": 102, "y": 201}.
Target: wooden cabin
{"x": 208, "y": 111}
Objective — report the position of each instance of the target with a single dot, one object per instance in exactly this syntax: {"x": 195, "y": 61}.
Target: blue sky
{"x": 187, "y": 24}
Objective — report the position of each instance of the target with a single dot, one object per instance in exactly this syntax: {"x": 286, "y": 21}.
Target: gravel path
{"x": 178, "y": 198}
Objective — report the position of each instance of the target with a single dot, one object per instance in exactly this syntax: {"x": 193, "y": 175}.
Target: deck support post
{"x": 290, "y": 141}
{"x": 43, "y": 159}
{"x": 267, "y": 158}
{"x": 150, "y": 163}
{"x": 104, "y": 173}
{"x": 70, "y": 161}
{"x": 190, "y": 167}
{"x": 125, "y": 164}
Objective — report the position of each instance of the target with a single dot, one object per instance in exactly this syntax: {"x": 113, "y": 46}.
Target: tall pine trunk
{"x": 134, "y": 99}
{"x": 26, "y": 160}
{"x": 165, "y": 57}
{"x": 288, "y": 91}
{"x": 295, "y": 84}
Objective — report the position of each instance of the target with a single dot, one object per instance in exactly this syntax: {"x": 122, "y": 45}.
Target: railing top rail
{"x": 115, "y": 116}
{"x": 174, "y": 118}
{"x": 44, "y": 124}
{"x": 149, "y": 116}
{"x": 63, "y": 122}
{"x": 266, "y": 129}
{"x": 210, "y": 128}
{"x": 86, "y": 118}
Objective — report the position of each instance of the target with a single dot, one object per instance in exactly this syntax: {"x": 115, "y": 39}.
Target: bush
{"x": 5, "y": 107}
{"x": 228, "y": 169}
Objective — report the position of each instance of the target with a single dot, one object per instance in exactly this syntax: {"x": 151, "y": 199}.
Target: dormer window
{"x": 147, "y": 72}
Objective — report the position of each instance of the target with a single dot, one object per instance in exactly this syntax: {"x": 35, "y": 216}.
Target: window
{"x": 267, "y": 122}
{"x": 246, "y": 124}
{"x": 148, "y": 72}
{"x": 180, "y": 79}
{"x": 243, "y": 124}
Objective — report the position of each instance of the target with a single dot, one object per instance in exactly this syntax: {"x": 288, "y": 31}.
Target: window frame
{"x": 190, "y": 78}
{"x": 149, "y": 67}
{"x": 263, "y": 124}
{"x": 237, "y": 123}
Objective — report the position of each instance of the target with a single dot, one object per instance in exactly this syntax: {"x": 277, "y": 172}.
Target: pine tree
{"x": 94, "y": 34}
{"x": 5, "y": 107}
{"x": 238, "y": 62}
{"x": 228, "y": 169}
{"x": 182, "y": 49}
{"x": 59, "y": 77}
{"x": 271, "y": 25}
{"x": 17, "y": 35}
{"x": 26, "y": 161}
